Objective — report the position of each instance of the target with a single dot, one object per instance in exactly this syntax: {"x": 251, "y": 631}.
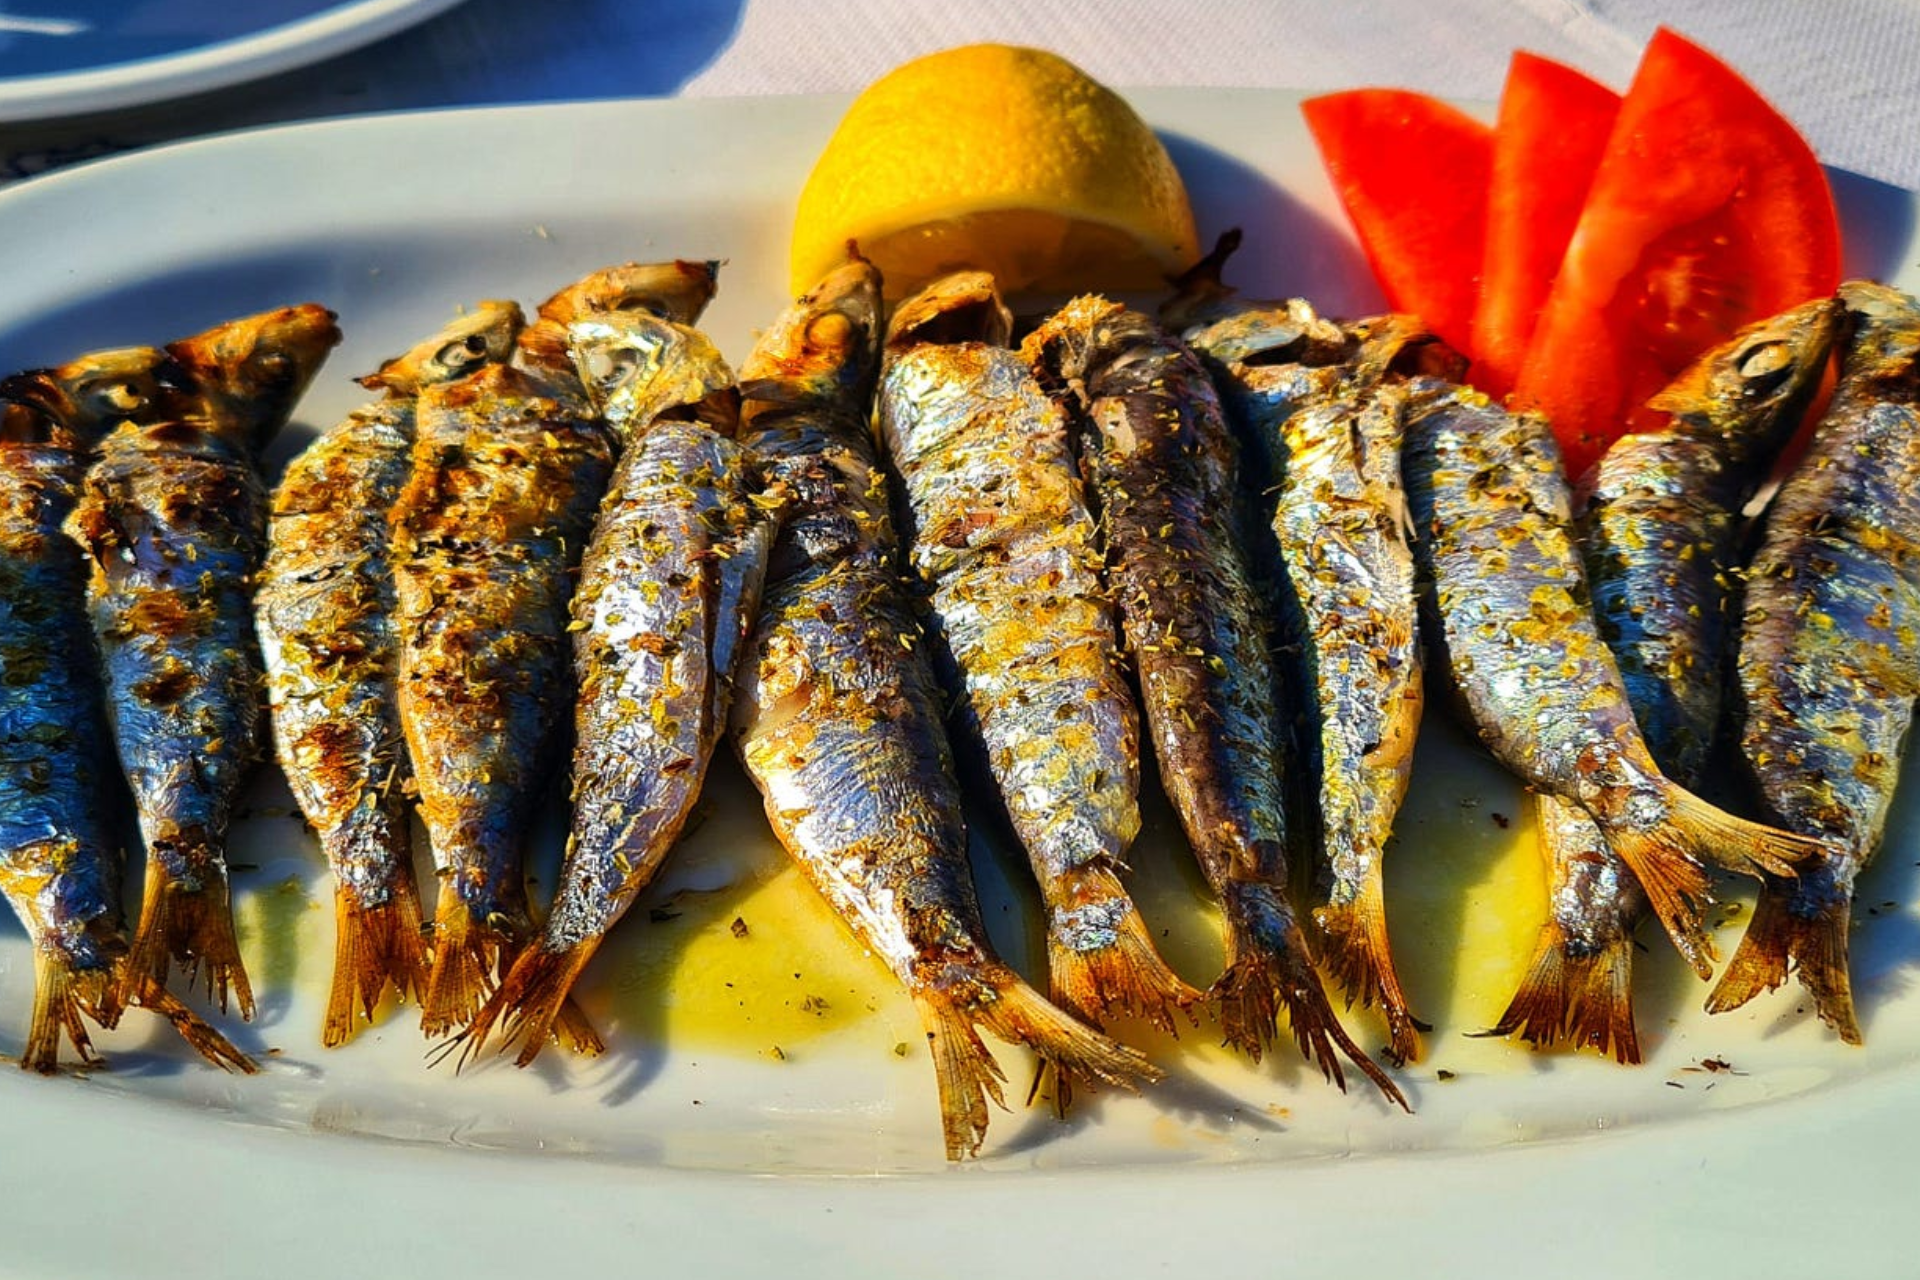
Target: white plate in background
{"x": 691, "y": 1147}
{"x": 70, "y": 57}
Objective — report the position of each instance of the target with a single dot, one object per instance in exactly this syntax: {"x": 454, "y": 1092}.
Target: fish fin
{"x": 1356, "y": 951}
{"x": 1811, "y": 936}
{"x": 1736, "y": 844}
{"x": 466, "y": 956}
{"x": 532, "y": 1005}
{"x": 193, "y": 926}
{"x": 61, "y": 994}
{"x": 967, "y": 1074}
{"x": 1582, "y": 996}
{"x": 153, "y": 995}
{"x": 1020, "y": 1015}
{"x": 1662, "y": 860}
{"x": 373, "y": 946}
{"x": 1123, "y": 973}
{"x": 1268, "y": 967}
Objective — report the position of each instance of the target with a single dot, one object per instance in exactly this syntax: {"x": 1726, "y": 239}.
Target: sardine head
{"x": 1747, "y": 394}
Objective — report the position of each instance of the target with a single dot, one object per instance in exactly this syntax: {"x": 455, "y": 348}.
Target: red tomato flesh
{"x": 1708, "y": 211}
{"x": 1412, "y": 173}
{"x": 1553, "y": 126}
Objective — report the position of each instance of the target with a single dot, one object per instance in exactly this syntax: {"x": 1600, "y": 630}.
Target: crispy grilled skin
{"x": 325, "y": 616}
{"x": 838, "y": 717}
{"x": 1659, "y": 530}
{"x": 1829, "y": 666}
{"x": 1005, "y": 548}
{"x": 1511, "y": 613}
{"x": 668, "y": 588}
{"x": 1163, "y": 469}
{"x": 172, "y": 520}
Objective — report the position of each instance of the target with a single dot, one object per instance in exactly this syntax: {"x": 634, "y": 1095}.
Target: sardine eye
{"x": 830, "y": 331}
{"x": 606, "y": 366}
{"x": 459, "y": 355}
{"x": 1765, "y": 366}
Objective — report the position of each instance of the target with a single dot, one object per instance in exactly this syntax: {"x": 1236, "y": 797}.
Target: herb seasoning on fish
{"x": 1830, "y": 654}
{"x": 1659, "y": 532}
{"x": 668, "y": 589}
{"x": 1003, "y": 541}
{"x": 838, "y": 719}
{"x": 1163, "y": 468}
{"x": 172, "y": 519}
{"x": 60, "y": 861}
{"x": 325, "y": 613}
{"x": 1511, "y": 614}
{"x": 508, "y": 469}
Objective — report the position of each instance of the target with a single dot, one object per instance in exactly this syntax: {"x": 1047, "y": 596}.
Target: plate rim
{"x": 336, "y": 29}
{"x": 1686, "y": 1195}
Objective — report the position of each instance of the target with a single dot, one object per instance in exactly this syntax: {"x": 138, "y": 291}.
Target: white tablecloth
{"x": 1848, "y": 71}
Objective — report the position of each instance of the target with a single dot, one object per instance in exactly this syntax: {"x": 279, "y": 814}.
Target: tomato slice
{"x": 1553, "y": 126}
{"x": 1708, "y": 211}
{"x": 1412, "y": 173}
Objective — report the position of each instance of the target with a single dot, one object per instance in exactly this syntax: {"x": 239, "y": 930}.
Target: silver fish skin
{"x": 1495, "y": 539}
{"x": 509, "y": 467}
{"x": 1163, "y": 469}
{"x": 1001, "y": 539}
{"x": 1341, "y": 521}
{"x": 669, "y": 586}
{"x": 1660, "y": 527}
{"x": 1829, "y": 662}
{"x": 60, "y": 850}
{"x": 838, "y": 717}
{"x": 172, "y": 520}
{"x": 324, "y": 612}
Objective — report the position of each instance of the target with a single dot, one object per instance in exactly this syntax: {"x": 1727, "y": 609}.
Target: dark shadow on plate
{"x": 1291, "y": 249}
{"x": 1878, "y": 220}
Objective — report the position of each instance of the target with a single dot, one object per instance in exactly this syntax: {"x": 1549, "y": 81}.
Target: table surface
{"x": 1847, "y": 71}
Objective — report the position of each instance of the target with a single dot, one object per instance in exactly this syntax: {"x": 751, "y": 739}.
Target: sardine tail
{"x": 193, "y": 926}
{"x": 532, "y": 1006}
{"x": 1662, "y": 860}
{"x": 1747, "y": 848}
{"x": 1116, "y": 968}
{"x": 61, "y": 994}
{"x": 210, "y": 1044}
{"x": 1356, "y": 950}
{"x": 1812, "y": 940}
{"x": 1269, "y": 968}
{"x": 1577, "y": 995}
{"x": 465, "y": 958}
{"x": 1019, "y": 1014}
{"x": 374, "y": 947}
{"x": 967, "y": 1073}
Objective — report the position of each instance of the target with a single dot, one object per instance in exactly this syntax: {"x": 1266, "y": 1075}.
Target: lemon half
{"x": 999, "y": 158}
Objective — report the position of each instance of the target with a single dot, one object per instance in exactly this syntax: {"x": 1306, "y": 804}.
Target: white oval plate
{"x": 101, "y": 55}
{"x": 692, "y": 1144}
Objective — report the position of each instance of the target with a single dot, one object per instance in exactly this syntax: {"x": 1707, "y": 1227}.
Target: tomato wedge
{"x": 1412, "y": 173}
{"x": 1708, "y": 211}
{"x": 1553, "y": 127}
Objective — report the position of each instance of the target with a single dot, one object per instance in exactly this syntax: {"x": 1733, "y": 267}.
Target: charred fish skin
{"x": 1659, "y": 526}
{"x": 1320, "y": 427}
{"x": 1828, "y": 665}
{"x": 325, "y": 614}
{"x": 509, "y": 467}
{"x": 669, "y": 585}
{"x": 838, "y": 720}
{"x": 60, "y": 852}
{"x": 501, "y": 495}
{"x": 1000, "y": 536}
{"x": 1495, "y": 541}
{"x": 1163, "y": 471}
{"x": 172, "y": 520}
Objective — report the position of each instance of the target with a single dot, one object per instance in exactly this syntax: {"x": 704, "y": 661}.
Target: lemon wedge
{"x": 999, "y": 158}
